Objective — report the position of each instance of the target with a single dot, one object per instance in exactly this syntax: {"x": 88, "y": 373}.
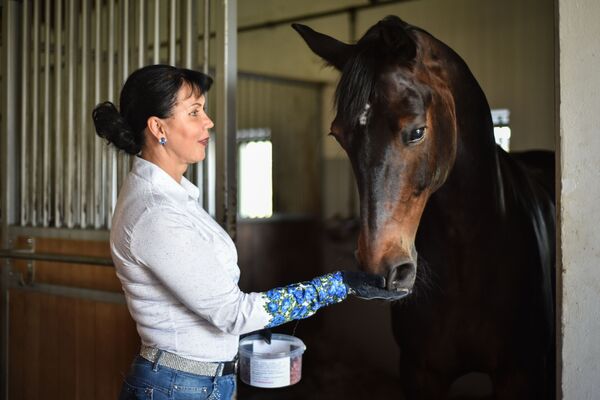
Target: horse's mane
{"x": 528, "y": 179}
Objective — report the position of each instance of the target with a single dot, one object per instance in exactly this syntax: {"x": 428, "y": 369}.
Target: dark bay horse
{"x": 417, "y": 128}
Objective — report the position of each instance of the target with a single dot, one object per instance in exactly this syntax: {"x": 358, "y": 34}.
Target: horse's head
{"x": 396, "y": 121}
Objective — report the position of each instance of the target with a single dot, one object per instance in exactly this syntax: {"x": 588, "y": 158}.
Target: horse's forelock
{"x": 389, "y": 41}
{"x": 355, "y": 88}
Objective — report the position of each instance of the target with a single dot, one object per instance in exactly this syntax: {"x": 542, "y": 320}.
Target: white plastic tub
{"x": 271, "y": 366}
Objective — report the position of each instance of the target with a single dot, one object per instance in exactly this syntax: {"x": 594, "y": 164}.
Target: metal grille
{"x": 75, "y": 54}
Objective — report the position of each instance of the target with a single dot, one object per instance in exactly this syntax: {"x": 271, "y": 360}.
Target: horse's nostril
{"x": 401, "y": 277}
{"x": 405, "y": 271}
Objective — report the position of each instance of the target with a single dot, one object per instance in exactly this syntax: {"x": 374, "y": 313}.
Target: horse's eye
{"x": 416, "y": 135}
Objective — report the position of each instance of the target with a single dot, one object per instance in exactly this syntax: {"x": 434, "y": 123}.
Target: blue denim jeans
{"x": 147, "y": 381}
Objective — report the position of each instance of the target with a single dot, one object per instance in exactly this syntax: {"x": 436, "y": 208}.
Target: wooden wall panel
{"x": 74, "y": 275}
{"x": 49, "y": 362}
{"x": 277, "y": 252}
{"x": 85, "y": 347}
{"x": 65, "y": 348}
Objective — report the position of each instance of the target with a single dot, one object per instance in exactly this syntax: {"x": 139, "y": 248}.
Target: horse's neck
{"x": 474, "y": 185}
{"x": 462, "y": 212}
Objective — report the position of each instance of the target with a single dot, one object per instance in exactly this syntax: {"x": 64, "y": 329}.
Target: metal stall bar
{"x": 172, "y": 36}
{"x": 35, "y": 87}
{"x": 24, "y": 111}
{"x": 202, "y": 171}
{"x": 103, "y": 91}
{"x": 82, "y": 170}
{"x": 123, "y": 158}
{"x": 58, "y": 144}
{"x": 62, "y": 258}
{"x": 111, "y": 51}
{"x": 46, "y": 138}
{"x": 156, "y": 47}
{"x": 187, "y": 35}
{"x": 70, "y": 206}
{"x": 20, "y": 283}
{"x": 124, "y": 40}
{"x": 226, "y": 115}
{"x": 41, "y": 191}
{"x": 206, "y": 37}
{"x": 97, "y": 201}
{"x": 190, "y": 34}
{"x": 8, "y": 163}
{"x": 111, "y": 154}
{"x": 141, "y": 33}
{"x": 73, "y": 292}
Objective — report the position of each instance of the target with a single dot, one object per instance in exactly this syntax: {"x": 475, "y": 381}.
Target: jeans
{"x": 147, "y": 381}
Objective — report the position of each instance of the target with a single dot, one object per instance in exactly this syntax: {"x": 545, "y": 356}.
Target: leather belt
{"x": 174, "y": 361}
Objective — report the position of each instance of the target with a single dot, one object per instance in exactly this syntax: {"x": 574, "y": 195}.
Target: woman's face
{"x": 187, "y": 128}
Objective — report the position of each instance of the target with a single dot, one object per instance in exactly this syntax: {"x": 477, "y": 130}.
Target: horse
{"x": 446, "y": 213}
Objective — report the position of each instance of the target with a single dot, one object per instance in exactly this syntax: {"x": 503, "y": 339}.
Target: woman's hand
{"x": 369, "y": 286}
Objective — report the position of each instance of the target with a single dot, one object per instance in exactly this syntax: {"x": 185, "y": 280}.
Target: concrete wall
{"x": 579, "y": 145}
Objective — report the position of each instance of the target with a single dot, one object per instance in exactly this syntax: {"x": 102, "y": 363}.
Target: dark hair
{"x": 148, "y": 91}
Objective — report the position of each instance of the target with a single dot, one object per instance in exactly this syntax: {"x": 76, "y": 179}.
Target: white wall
{"x": 579, "y": 146}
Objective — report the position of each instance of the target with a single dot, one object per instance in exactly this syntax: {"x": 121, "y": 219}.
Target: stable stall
{"x": 273, "y": 178}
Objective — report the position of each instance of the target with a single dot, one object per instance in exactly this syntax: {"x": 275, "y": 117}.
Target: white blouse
{"x": 179, "y": 272}
{"x": 178, "y": 269}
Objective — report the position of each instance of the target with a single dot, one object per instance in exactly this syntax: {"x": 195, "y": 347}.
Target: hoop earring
{"x": 162, "y": 141}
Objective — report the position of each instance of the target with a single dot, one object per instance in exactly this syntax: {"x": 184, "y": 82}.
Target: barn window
{"x": 501, "y": 119}
{"x": 255, "y": 179}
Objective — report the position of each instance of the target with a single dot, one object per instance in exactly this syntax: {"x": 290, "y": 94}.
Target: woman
{"x": 177, "y": 266}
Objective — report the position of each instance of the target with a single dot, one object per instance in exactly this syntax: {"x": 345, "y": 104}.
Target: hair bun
{"x": 111, "y": 125}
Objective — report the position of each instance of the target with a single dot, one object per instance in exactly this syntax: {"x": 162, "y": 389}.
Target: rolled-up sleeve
{"x": 184, "y": 260}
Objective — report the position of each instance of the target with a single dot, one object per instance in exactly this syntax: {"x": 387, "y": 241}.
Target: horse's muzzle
{"x": 402, "y": 277}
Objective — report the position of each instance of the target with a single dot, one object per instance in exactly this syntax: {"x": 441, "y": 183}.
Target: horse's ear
{"x": 331, "y": 50}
